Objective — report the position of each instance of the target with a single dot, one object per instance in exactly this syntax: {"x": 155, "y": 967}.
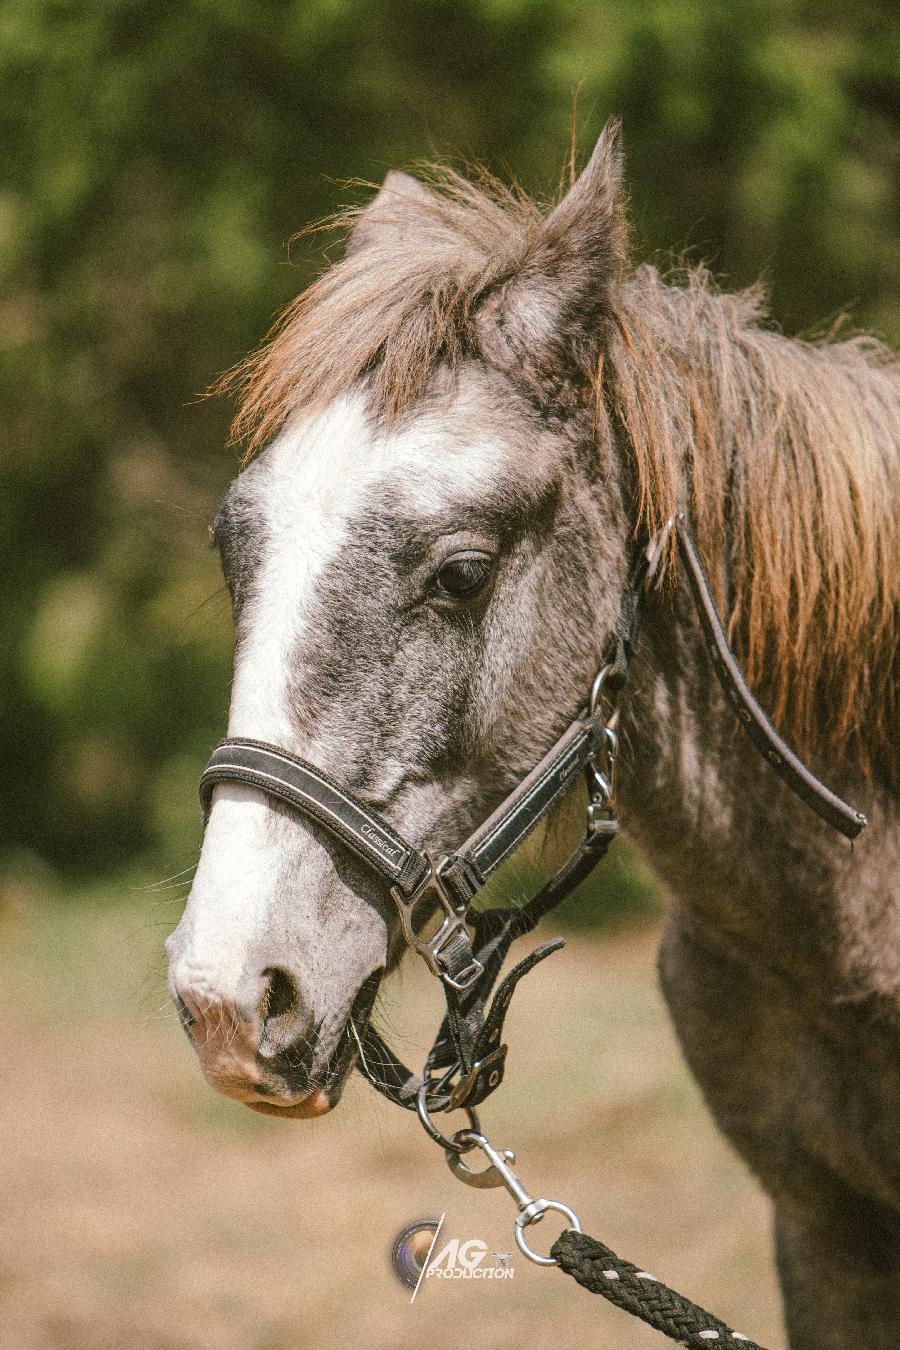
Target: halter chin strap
{"x": 468, "y": 1047}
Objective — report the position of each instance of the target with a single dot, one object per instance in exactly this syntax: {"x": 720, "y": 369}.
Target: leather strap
{"x": 418, "y": 884}
{"x": 313, "y": 793}
{"x": 527, "y": 805}
{"x": 808, "y": 788}
{"x": 484, "y": 1063}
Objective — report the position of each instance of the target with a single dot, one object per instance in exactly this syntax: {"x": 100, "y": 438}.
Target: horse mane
{"x": 788, "y": 447}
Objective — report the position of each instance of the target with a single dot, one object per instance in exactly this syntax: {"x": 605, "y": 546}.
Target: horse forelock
{"x": 784, "y": 452}
{"x": 390, "y": 313}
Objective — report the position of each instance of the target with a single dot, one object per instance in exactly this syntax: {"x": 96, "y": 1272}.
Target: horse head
{"x": 426, "y": 560}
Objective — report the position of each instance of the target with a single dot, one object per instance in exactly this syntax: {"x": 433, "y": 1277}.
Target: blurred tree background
{"x": 157, "y": 159}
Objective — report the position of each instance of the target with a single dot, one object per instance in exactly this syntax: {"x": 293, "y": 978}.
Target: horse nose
{"x": 258, "y": 998}
{"x": 241, "y": 1028}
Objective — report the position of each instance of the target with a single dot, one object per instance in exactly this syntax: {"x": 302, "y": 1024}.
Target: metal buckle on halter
{"x": 654, "y": 554}
{"x": 601, "y": 768}
{"x": 433, "y": 949}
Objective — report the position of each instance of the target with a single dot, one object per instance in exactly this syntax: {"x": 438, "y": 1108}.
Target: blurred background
{"x": 157, "y": 160}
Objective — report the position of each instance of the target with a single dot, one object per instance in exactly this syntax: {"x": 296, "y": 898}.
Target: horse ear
{"x": 397, "y": 193}
{"x": 558, "y": 296}
{"x": 588, "y": 226}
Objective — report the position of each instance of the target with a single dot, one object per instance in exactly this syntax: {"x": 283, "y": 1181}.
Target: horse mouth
{"x": 322, "y": 1091}
{"x": 317, "y": 1103}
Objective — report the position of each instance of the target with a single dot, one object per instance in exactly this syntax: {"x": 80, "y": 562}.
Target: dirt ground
{"x": 140, "y": 1210}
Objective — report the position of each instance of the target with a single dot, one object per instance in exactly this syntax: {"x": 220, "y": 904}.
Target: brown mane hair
{"x": 786, "y": 449}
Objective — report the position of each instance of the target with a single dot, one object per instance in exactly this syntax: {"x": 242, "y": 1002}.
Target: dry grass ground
{"x": 141, "y": 1211}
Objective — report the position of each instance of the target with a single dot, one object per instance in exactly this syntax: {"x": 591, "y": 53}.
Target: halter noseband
{"x": 467, "y": 1060}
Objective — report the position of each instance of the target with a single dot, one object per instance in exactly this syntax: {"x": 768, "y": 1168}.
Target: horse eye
{"x": 464, "y": 575}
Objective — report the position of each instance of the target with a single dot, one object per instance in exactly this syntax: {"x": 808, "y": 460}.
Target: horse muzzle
{"x": 261, "y": 1045}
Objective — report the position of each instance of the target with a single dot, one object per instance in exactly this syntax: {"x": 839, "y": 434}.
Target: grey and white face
{"x": 411, "y": 617}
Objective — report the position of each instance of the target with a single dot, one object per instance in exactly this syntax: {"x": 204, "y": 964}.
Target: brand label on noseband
{"x": 381, "y": 844}
{"x": 568, "y": 768}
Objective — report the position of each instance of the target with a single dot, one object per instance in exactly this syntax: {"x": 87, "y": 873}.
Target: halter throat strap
{"x": 786, "y": 764}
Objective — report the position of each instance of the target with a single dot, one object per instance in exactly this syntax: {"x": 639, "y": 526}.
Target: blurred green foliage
{"x": 156, "y": 160}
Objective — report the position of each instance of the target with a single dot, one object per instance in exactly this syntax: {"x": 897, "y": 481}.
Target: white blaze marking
{"x": 312, "y": 481}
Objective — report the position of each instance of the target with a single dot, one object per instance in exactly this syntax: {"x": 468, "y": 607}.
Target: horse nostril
{"x": 286, "y": 1032}
{"x": 279, "y": 994}
{"x": 185, "y": 1016}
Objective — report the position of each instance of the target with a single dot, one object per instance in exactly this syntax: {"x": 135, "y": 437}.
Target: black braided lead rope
{"x": 599, "y": 1270}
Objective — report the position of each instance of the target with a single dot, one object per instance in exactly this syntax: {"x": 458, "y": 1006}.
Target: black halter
{"x": 467, "y": 1060}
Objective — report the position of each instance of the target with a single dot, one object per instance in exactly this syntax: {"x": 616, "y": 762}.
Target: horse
{"x": 458, "y": 434}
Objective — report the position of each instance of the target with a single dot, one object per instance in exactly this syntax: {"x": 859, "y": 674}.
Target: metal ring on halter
{"x": 533, "y": 1213}
{"x": 453, "y": 1144}
{"x": 488, "y": 1177}
{"x": 600, "y": 679}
